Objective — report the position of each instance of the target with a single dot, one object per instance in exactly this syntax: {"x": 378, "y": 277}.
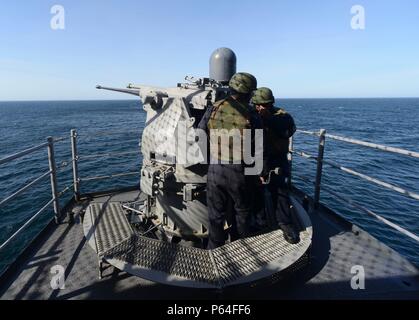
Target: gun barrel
{"x": 129, "y": 91}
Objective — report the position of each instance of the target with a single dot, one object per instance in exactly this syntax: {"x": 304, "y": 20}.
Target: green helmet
{"x": 263, "y": 96}
{"x": 243, "y": 82}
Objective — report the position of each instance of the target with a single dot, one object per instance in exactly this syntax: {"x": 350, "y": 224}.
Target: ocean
{"x": 116, "y": 127}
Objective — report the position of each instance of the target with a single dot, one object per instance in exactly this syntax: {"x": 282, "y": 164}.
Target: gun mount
{"x": 173, "y": 173}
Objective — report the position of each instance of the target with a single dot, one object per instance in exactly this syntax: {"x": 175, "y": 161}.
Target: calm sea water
{"x": 393, "y": 122}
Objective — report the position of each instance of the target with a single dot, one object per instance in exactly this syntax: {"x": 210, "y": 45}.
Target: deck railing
{"x": 52, "y": 173}
{"x": 320, "y": 161}
{"x": 77, "y": 180}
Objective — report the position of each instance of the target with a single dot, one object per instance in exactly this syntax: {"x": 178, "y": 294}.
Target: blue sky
{"x": 299, "y": 48}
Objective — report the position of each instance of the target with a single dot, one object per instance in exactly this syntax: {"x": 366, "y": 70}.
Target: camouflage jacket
{"x": 229, "y": 114}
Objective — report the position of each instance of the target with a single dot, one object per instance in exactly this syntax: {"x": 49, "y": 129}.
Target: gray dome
{"x": 222, "y": 64}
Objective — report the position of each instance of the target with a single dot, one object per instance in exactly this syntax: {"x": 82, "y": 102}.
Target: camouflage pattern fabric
{"x": 243, "y": 82}
{"x": 233, "y": 117}
{"x": 263, "y": 96}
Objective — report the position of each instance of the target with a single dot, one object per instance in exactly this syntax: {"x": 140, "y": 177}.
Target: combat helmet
{"x": 263, "y": 96}
{"x": 243, "y": 82}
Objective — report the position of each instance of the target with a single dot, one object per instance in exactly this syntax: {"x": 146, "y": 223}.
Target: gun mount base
{"x": 244, "y": 261}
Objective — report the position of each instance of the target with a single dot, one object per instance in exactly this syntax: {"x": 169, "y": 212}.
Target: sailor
{"x": 278, "y": 126}
{"x": 229, "y": 189}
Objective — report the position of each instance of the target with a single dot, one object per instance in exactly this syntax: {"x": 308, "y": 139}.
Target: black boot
{"x": 290, "y": 234}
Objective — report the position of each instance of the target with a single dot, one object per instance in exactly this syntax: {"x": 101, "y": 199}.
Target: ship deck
{"x": 337, "y": 246}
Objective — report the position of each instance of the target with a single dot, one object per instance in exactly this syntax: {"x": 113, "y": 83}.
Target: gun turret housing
{"x": 173, "y": 173}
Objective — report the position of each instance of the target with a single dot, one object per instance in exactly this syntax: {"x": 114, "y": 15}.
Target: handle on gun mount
{"x": 276, "y": 171}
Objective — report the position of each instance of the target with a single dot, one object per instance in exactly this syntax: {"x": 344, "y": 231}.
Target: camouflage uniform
{"x": 229, "y": 190}
{"x": 278, "y": 126}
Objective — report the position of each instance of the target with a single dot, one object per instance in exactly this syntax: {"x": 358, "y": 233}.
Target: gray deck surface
{"x": 336, "y": 249}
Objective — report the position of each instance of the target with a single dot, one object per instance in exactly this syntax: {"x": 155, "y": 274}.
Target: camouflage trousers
{"x": 229, "y": 198}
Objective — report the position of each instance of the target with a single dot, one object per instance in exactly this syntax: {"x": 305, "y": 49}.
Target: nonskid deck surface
{"x": 335, "y": 250}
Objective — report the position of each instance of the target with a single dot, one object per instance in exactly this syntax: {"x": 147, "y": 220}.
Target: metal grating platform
{"x": 242, "y": 261}
{"x": 166, "y": 259}
{"x": 105, "y": 226}
{"x": 250, "y": 259}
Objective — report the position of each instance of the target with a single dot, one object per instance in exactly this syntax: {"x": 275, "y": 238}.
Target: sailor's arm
{"x": 282, "y": 124}
{"x": 257, "y": 124}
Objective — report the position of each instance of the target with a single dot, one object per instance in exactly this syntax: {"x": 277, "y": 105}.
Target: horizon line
{"x": 285, "y": 98}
